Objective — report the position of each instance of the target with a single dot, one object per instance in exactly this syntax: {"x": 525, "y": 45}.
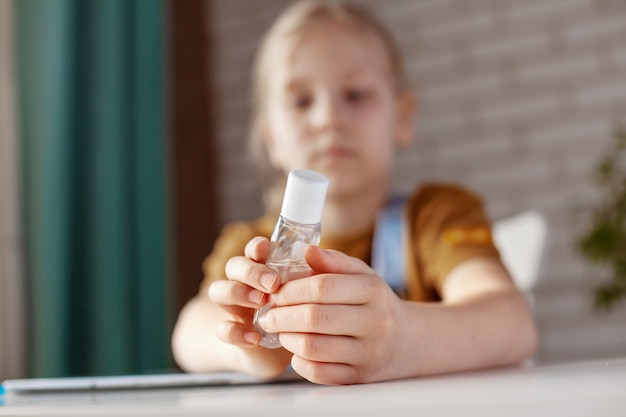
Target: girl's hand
{"x": 246, "y": 289}
{"x": 343, "y": 325}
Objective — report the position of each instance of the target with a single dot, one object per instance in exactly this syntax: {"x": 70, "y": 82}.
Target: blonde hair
{"x": 294, "y": 20}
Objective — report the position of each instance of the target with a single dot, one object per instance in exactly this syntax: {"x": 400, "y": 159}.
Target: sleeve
{"x": 449, "y": 226}
{"x": 231, "y": 242}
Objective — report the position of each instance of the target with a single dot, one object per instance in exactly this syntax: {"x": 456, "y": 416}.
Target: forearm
{"x": 195, "y": 345}
{"x": 483, "y": 331}
{"x": 197, "y": 348}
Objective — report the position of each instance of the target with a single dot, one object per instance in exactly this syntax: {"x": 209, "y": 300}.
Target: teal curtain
{"x": 91, "y": 92}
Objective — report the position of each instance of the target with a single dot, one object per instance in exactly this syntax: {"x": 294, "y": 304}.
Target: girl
{"x": 331, "y": 95}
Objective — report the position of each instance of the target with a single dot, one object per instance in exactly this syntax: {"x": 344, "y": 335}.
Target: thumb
{"x": 324, "y": 261}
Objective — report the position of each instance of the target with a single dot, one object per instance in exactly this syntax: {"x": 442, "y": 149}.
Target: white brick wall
{"x": 517, "y": 100}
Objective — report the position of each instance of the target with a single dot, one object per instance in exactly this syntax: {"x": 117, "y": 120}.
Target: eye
{"x": 356, "y": 95}
{"x": 301, "y": 101}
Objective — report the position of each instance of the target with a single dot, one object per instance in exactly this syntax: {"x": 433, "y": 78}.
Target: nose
{"x": 328, "y": 113}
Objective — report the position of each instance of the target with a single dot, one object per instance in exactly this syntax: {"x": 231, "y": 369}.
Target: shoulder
{"x": 448, "y": 225}
{"x": 442, "y": 200}
{"x": 442, "y": 193}
{"x": 261, "y": 226}
{"x": 235, "y": 235}
{"x": 436, "y": 210}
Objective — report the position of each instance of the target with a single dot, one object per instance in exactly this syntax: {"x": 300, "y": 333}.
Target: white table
{"x": 595, "y": 388}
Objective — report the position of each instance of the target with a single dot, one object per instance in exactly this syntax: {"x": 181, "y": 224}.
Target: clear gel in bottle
{"x": 298, "y": 226}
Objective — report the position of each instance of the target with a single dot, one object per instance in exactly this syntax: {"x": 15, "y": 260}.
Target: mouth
{"x": 337, "y": 152}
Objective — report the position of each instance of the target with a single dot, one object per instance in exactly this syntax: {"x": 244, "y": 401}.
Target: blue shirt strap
{"x": 388, "y": 251}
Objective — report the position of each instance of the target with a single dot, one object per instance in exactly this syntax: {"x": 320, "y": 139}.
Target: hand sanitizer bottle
{"x": 298, "y": 226}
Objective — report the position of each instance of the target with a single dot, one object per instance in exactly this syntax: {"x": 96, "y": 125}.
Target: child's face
{"x": 331, "y": 107}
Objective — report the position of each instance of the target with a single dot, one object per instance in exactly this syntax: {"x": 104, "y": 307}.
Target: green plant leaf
{"x": 609, "y": 296}
{"x": 600, "y": 243}
{"x": 604, "y": 243}
{"x": 604, "y": 170}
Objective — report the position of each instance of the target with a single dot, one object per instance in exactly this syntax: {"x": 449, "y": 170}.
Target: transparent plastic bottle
{"x": 298, "y": 226}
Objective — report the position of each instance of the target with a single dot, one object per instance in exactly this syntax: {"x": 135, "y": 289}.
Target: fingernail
{"x": 268, "y": 280}
{"x": 252, "y": 337}
{"x": 255, "y": 296}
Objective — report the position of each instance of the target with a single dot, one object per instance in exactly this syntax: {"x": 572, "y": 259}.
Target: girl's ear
{"x": 407, "y": 107}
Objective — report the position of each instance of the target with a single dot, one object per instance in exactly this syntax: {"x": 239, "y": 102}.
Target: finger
{"x": 329, "y": 289}
{"x": 237, "y": 334}
{"x": 328, "y": 260}
{"x": 341, "y": 320}
{"x": 322, "y": 348}
{"x": 323, "y": 372}
{"x": 253, "y": 274}
{"x": 258, "y": 249}
{"x": 233, "y": 293}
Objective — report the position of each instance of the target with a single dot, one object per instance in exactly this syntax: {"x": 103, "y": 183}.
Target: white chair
{"x": 521, "y": 240}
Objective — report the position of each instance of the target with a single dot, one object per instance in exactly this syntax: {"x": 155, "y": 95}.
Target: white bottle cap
{"x": 304, "y": 196}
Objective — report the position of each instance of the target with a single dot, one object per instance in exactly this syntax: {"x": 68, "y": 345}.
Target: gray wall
{"x": 517, "y": 101}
